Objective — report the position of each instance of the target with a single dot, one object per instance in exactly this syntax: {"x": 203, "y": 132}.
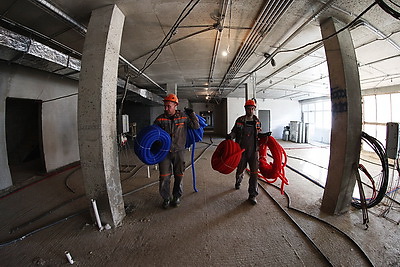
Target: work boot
{"x": 176, "y": 201}
{"x": 253, "y": 200}
{"x": 165, "y": 203}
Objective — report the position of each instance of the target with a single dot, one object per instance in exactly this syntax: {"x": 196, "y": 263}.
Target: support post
{"x": 97, "y": 113}
{"x": 346, "y": 118}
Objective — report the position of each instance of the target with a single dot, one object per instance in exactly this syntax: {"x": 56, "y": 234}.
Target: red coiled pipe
{"x": 226, "y": 156}
{"x": 270, "y": 172}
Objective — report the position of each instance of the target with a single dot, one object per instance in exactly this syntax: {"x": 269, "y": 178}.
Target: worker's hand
{"x": 188, "y": 111}
{"x": 228, "y": 137}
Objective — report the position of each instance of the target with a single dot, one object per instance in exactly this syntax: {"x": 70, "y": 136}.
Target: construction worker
{"x": 245, "y": 132}
{"x": 175, "y": 123}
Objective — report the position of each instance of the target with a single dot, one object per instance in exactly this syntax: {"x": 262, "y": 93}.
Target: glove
{"x": 188, "y": 111}
{"x": 261, "y": 135}
{"x": 228, "y": 137}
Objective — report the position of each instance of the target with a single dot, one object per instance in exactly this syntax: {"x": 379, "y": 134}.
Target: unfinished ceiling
{"x": 275, "y": 45}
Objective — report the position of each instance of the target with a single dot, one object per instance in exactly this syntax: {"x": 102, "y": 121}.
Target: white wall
{"x": 59, "y": 113}
{"x": 282, "y": 112}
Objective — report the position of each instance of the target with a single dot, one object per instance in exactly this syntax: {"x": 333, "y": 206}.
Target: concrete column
{"x": 346, "y": 118}
{"x": 97, "y": 113}
{"x": 172, "y": 88}
{"x": 250, "y": 87}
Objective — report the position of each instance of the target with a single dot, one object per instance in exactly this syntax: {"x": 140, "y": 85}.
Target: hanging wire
{"x": 379, "y": 149}
{"x": 167, "y": 37}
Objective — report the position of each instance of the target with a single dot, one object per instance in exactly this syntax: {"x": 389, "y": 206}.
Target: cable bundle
{"x": 270, "y": 172}
{"x": 226, "y": 156}
{"x": 379, "y": 149}
{"x": 152, "y": 144}
{"x": 193, "y": 136}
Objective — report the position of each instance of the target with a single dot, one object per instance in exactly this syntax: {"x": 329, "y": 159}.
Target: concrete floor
{"x": 215, "y": 226}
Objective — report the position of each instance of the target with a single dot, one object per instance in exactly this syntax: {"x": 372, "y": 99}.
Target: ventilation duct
{"x": 19, "y": 49}
{"x": 25, "y": 51}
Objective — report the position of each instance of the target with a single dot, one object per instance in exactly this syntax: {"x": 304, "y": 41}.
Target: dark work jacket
{"x": 238, "y": 130}
{"x": 177, "y": 126}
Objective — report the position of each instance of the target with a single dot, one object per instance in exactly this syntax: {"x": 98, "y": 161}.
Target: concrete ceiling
{"x": 274, "y": 44}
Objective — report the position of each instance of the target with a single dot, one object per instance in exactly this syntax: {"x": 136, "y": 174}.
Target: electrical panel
{"x": 125, "y": 123}
{"x": 392, "y": 140}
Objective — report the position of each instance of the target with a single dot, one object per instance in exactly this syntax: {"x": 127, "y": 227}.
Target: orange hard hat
{"x": 250, "y": 102}
{"x": 172, "y": 98}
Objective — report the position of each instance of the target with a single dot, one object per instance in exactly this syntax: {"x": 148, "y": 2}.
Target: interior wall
{"x": 282, "y": 112}
{"x": 59, "y": 113}
{"x": 139, "y": 113}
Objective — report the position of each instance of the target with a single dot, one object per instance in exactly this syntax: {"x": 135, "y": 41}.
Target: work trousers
{"x": 172, "y": 164}
{"x": 252, "y": 159}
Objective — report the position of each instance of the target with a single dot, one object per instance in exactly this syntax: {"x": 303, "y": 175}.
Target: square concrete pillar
{"x": 346, "y": 118}
{"x": 97, "y": 113}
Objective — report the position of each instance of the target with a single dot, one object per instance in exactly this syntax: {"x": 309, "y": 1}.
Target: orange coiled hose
{"x": 226, "y": 156}
{"x": 270, "y": 172}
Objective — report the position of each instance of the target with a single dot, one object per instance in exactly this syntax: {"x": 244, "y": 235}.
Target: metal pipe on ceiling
{"x": 53, "y": 10}
{"x": 267, "y": 18}
{"x": 362, "y": 22}
{"x": 292, "y": 36}
{"x": 220, "y": 22}
{"x": 58, "y": 13}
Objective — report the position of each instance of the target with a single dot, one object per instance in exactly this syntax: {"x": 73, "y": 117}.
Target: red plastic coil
{"x": 226, "y": 156}
{"x": 270, "y": 172}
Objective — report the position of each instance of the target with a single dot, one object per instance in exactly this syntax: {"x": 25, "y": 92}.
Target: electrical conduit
{"x": 226, "y": 156}
{"x": 193, "y": 136}
{"x": 152, "y": 144}
{"x": 270, "y": 172}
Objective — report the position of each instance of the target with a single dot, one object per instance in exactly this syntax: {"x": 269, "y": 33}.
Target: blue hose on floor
{"x": 152, "y": 144}
{"x": 193, "y": 136}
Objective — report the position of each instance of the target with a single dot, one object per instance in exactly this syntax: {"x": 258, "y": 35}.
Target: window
{"x": 375, "y": 118}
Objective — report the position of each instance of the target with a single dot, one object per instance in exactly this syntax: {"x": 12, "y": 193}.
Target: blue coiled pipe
{"x": 152, "y": 144}
{"x": 193, "y": 136}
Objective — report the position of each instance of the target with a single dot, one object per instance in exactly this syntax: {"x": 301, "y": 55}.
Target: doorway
{"x": 24, "y": 138}
{"x": 265, "y": 119}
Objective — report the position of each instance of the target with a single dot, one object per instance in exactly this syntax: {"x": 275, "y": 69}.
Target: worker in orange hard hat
{"x": 245, "y": 132}
{"x": 250, "y": 102}
{"x": 172, "y": 98}
{"x": 174, "y": 122}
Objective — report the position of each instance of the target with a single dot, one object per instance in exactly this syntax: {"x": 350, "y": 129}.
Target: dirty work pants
{"x": 172, "y": 164}
{"x": 252, "y": 159}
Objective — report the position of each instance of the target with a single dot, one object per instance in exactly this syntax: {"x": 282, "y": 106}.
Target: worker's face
{"x": 250, "y": 110}
{"x": 169, "y": 108}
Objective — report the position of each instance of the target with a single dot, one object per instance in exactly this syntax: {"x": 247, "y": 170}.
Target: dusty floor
{"x": 214, "y": 227}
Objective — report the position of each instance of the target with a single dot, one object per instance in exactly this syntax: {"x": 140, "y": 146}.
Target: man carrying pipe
{"x": 245, "y": 132}
{"x": 175, "y": 123}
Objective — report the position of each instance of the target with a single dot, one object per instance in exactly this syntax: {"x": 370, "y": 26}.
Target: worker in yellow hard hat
{"x": 174, "y": 122}
{"x": 245, "y": 132}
